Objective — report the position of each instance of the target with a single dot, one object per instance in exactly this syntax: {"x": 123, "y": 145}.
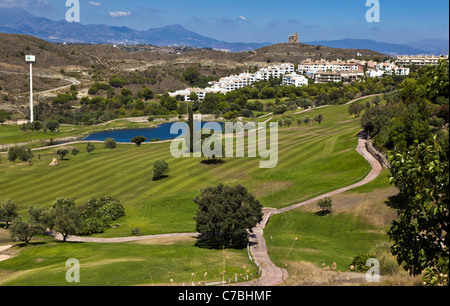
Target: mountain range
{"x": 19, "y": 21}
{"x": 429, "y": 46}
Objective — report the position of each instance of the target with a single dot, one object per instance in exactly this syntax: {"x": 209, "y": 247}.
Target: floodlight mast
{"x": 31, "y": 59}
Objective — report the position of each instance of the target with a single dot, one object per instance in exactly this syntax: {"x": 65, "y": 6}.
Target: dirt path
{"x": 73, "y": 81}
{"x": 270, "y": 274}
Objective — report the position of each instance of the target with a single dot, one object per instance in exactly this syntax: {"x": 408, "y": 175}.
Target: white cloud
{"x": 94, "y": 3}
{"x": 25, "y": 3}
{"x": 117, "y": 14}
{"x": 243, "y": 18}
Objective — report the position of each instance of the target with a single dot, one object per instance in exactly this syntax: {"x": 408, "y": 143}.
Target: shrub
{"x": 92, "y": 226}
{"x": 111, "y": 211}
{"x": 110, "y": 143}
{"x": 160, "y": 168}
{"x": 359, "y": 263}
{"x": 325, "y": 204}
{"x": 135, "y": 231}
{"x": 19, "y": 152}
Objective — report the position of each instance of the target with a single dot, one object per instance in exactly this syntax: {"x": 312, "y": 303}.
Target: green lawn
{"x": 321, "y": 239}
{"x": 312, "y": 160}
{"x": 122, "y": 264}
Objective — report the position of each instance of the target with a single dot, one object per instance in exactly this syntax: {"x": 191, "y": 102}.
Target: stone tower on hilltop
{"x": 293, "y": 39}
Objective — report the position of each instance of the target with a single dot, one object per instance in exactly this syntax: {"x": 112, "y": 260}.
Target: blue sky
{"x": 273, "y": 21}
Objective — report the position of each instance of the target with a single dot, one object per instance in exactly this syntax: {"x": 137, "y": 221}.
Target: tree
{"x": 288, "y": 121}
{"x": 138, "y": 140}
{"x": 325, "y": 205}
{"x": 97, "y": 214}
{"x": 21, "y": 153}
{"x": 319, "y": 118}
{"x": 190, "y": 141}
{"x": 90, "y": 148}
{"x": 160, "y": 168}
{"x": 8, "y": 212}
{"x": 67, "y": 218}
{"x": 307, "y": 120}
{"x": 52, "y": 125}
{"x": 227, "y": 212}
{"x": 75, "y": 151}
{"x": 20, "y": 230}
{"x": 62, "y": 153}
{"x": 356, "y": 109}
{"x": 147, "y": 93}
{"x": 192, "y": 76}
{"x": 110, "y": 143}
{"x": 420, "y": 234}
{"x": 193, "y": 96}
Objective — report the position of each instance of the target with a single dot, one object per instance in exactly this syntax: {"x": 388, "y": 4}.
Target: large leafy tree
{"x": 420, "y": 234}
{"x": 8, "y": 212}
{"x": 67, "y": 218}
{"x": 227, "y": 212}
{"x": 21, "y": 230}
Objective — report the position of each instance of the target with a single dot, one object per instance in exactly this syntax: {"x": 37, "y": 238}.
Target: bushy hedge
{"x": 98, "y": 214}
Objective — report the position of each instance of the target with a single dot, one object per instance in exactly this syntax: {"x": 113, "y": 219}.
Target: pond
{"x": 161, "y": 132}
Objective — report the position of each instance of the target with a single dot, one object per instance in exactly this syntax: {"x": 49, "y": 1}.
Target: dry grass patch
{"x": 371, "y": 206}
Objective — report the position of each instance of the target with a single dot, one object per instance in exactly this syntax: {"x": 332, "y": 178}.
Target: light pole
{"x": 30, "y": 59}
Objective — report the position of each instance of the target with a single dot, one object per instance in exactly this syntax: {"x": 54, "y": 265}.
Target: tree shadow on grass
{"x": 160, "y": 178}
{"x": 396, "y": 202}
{"x": 322, "y": 213}
{"x": 212, "y": 161}
{"x": 218, "y": 242}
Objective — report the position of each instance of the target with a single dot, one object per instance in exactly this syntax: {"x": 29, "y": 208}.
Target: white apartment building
{"x": 295, "y": 80}
{"x": 386, "y": 69}
{"x": 242, "y": 80}
{"x": 419, "y": 60}
{"x": 309, "y": 67}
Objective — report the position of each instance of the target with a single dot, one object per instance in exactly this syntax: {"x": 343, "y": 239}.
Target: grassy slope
{"x": 312, "y": 160}
{"x": 121, "y": 264}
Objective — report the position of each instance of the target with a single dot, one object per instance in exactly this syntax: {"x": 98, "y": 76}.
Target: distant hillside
{"x": 433, "y": 46}
{"x": 162, "y": 66}
{"x": 423, "y": 47}
{"x": 18, "y": 21}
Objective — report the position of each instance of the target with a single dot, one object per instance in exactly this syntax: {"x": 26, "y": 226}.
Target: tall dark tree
{"x": 190, "y": 141}
{"x": 227, "y": 212}
{"x": 138, "y": 140}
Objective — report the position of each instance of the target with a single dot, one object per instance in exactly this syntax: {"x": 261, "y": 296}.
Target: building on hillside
{"x": 293, "y": 39}
{"x": 418, "y": 60}
{"x": 327, "y": 77}
{"x": 293, "y": 79}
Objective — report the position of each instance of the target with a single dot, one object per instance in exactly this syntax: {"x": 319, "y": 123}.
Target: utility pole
{"x": 30, "y": 59}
